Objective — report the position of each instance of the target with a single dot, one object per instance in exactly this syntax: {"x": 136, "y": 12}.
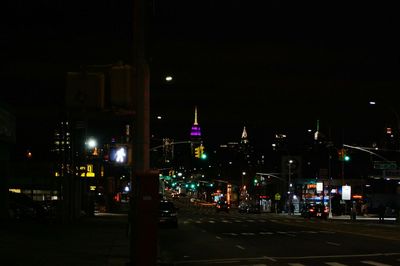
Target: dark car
{"x": 22, "y": 207}
{"x": 247, "y": 207}
{"x": 317, "y": 210}
{"x": 168, "y": 214}
{"x": 222, "y": 205}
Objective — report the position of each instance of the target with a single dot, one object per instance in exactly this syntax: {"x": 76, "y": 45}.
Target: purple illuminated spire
{"x": 195, "y": 132}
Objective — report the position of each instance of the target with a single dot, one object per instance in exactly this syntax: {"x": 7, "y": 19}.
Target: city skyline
{"x": 269, "y": 67}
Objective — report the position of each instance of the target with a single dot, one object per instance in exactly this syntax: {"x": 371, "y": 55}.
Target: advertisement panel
{"x": 346, "y": 192}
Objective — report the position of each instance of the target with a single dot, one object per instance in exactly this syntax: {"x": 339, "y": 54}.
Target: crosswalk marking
{"x": 247, "y": 234}
{"x": 231, "y": 234}
{"x": 266, "y": 233}
{"x": 332, "y": 243}
{"x": 334, "y": 264}
{"x": 211, "y": 222}
{"x": 296, "y": 264}
{"x": 226, "y": 221}
{"x": 370, "y": 262}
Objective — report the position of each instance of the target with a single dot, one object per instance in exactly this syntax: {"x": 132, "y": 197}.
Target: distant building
{"x": 195, "y": 133}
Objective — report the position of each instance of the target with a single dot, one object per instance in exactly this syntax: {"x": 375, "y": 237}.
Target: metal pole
{"x": 330, "y": 185}
{"x": 290, "y": 188}
{"x": 144, "y": 197}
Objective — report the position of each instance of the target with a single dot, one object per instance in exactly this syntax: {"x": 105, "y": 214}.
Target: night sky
{"x": 276, "y": 66}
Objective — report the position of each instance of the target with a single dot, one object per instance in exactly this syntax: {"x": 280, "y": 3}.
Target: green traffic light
{"x": 347, "y": 158}
{"x": 204, "y": 156}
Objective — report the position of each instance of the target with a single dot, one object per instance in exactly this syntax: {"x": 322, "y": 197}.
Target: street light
{"x": 290, "y": 185}
{"x": 91, "y": 143}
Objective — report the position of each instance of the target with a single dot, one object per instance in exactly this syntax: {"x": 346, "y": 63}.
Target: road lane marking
{"x": 198, "y": 222}
{"x": 332, "y": 243}
{"x": 327, "y": 232}
{"x": 211, "y": 222}
{"x": 286, "y": 233}
{"x": 226, "y": 221}
{"x": 240, "y": 247}
{"x": 296, "y": 264}
{"x": 231, "y": 234}
{"x": 334, "y": 264}
{"x": 251, "y": 221}
{"x": 218, "y": 237}
{"x": 247, "y": 234}
{"x": 370, "y": 262}
{"x": 266, "y": 233}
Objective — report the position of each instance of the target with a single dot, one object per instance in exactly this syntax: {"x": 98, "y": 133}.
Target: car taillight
{"x": 311, "y": 210}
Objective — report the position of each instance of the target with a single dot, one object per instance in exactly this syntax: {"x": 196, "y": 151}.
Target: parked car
{"x": 222, "y": 205}
{"x": 168, "y": 215}
{"x": 317, "y": 210}
{"x": 22, "y": 207}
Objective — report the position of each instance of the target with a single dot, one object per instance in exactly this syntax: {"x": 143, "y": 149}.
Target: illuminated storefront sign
{"x": 346, "y": 192}
{"x": 320, "y": 187}
{"x": 87, "y": 171}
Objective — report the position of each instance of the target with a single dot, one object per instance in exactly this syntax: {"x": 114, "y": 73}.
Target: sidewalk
{"x": 99, "y": 240}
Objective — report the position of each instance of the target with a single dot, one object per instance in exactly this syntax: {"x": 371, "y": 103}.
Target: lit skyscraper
{"x": 195, "y": 132}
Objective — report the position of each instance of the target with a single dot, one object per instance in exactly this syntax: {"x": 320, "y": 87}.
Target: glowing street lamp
{"x": 91, "y": 143}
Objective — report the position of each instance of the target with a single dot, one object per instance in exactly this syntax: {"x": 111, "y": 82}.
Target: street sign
{"x": 277, "y": 196}
{"x": 384, "y": 165}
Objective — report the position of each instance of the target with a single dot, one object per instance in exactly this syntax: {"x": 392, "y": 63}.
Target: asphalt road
{"x": 205, "y": 237}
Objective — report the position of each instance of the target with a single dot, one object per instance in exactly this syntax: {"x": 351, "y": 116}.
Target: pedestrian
{"x": 353, "y": 211}
{"x": 381, "y": 212}
{"x": 292, "y": 208}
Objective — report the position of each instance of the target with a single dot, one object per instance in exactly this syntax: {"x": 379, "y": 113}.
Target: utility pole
{"x": 144, "y": 199}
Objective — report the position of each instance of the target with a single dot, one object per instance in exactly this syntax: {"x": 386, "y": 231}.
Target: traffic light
{"x": 197, "y": 152}
{"x": 343, "y": 156}
{"x": 202, "y": 154}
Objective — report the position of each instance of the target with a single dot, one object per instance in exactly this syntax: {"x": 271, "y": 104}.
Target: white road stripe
{"x": 238, "y": 221}
{"x": 198, "y": 222}
{"x": 218, "y": 237}
{"x": 226, "y": 221}
{"x": 266, "y": 233}
{"x": 296, "y": 264}
{"x": 231, "y": 234}
{"x": 251, "y": 221}
{"x": 239, "y": 246}
{"x": 247, "y": 234}
{"x": 332, "y": 243}
{"x": 211, "y": 222}
{"x": 334, "y": 264}
{"x": 370, "y": 262}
